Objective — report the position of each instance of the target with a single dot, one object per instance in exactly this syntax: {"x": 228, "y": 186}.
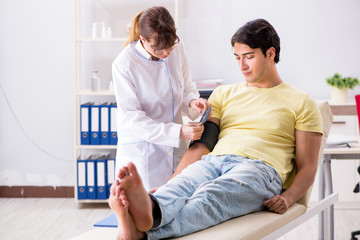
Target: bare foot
{"x": 141, "y": 205}
{"x": 126, "y": 226}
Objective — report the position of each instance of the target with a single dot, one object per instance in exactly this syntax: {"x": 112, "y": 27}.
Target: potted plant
{"x": 340, "y": 86}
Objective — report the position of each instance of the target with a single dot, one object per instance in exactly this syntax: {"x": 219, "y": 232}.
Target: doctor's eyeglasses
{"x": 161, "y": 51}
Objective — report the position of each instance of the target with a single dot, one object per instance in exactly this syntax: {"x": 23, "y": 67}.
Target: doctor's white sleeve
{"x": 132, "y": 119}
{"x": 190, "y": 90}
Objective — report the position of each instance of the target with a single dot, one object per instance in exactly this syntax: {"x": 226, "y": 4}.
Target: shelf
{"x": 96, "y": 146}
{"x": 101, "y": 40}
{"x": 88, "y": 92}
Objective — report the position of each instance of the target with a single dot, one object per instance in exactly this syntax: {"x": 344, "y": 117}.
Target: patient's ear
{"x": 270, "y": 53}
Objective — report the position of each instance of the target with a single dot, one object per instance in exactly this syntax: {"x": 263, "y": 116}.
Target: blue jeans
{"x": 211, "y": 191}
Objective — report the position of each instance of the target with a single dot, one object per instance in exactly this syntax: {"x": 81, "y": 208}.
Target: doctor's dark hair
{"x": 258, "y": 33}
{"x": 155, "y": 24}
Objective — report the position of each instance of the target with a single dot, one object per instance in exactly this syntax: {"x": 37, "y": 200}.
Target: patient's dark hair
{"x": 258, "y": 33}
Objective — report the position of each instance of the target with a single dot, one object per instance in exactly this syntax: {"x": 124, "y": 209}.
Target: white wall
{"x": 36, "y": 74}
{"x": 318, "y": 38}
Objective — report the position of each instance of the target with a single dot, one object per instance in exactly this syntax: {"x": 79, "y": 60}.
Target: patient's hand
{"x": 277, "y": 204}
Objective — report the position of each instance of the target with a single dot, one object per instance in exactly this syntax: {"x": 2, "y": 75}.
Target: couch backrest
{"x": 327, "y": 119}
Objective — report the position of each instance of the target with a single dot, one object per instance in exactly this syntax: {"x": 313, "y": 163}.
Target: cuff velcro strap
{"x": 210, "y": 135}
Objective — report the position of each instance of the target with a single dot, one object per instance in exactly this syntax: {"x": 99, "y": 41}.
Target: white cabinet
{"x": 345, "y": 124}
{"x": 96, "y": 49}
{"x": 344, "y": 172}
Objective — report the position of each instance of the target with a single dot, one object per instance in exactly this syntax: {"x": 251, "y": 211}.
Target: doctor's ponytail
{"x": 133, "y": 31}
{"x": 156, "y": 24}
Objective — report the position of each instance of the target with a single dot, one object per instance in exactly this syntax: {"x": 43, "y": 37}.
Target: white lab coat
{"x": 151, "y": 96}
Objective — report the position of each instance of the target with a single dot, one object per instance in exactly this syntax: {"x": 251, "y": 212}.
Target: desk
{"x": 343, "y": 109}
{"x": 325, "y": 182}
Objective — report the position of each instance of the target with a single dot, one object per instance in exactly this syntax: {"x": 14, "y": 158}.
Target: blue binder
{"x": 85, "y": 122}
{"x": 95, "y": 125}
{"x": 91, "y": 177}
{"x": 101, "y": 178}
{"x": 113, "y": 124}
{"x": 81, "y": 179}
{"x": 110, "y": 174}
{"x": 104, "y": 124}
{"x": 109, "y": 221}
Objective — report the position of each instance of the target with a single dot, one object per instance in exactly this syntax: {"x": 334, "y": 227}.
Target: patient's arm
{"x": 194, "y": 153}
{"x": 307, "y": 153}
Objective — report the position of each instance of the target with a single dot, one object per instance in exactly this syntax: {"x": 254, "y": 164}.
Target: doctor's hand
{"x": 191, "y": 131}
{"x": 199, "y": 104}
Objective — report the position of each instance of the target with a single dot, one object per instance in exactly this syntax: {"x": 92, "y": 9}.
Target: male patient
{"x": 264, "y": 129}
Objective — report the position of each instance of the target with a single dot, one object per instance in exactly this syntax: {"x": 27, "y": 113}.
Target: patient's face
{"x": 253, "y": 64}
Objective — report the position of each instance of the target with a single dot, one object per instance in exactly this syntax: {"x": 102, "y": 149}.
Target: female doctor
{"x": 153, "y": 87}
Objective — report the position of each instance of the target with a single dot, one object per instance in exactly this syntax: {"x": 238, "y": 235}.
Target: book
{"x": 109, "y": 221}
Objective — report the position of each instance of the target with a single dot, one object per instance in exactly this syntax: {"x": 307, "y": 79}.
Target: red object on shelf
{"x": 357, "y": 101}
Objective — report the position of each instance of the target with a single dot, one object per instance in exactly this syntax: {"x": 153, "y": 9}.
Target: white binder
{"x": 110, "y": 174}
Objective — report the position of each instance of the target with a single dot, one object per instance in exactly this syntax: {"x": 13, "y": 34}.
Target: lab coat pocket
{"x": 181, "y": 82}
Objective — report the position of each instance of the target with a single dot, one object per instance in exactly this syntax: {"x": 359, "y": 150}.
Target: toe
{"x": 132, "y": 169}
{"x": 124, "y": 200}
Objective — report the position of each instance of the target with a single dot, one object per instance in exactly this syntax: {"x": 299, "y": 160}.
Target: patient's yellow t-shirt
{"x": 260, "y": 123}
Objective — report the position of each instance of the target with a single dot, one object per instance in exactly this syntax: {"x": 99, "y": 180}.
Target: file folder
{"x": 81, "y": 179}
{"x": 113, "y": 124}
{"x": 101, "y": 184}
{"x": 95, "y": 125}
{"x": 91, "y": 178}
{"x": 110, "y": 174}
{"x": 109, "y": 221}
{"x": 104, "y": 124}
{"x": 85, "y": 121}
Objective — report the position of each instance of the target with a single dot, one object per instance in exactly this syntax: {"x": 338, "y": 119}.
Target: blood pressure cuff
{"x": 210, "y": 135}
